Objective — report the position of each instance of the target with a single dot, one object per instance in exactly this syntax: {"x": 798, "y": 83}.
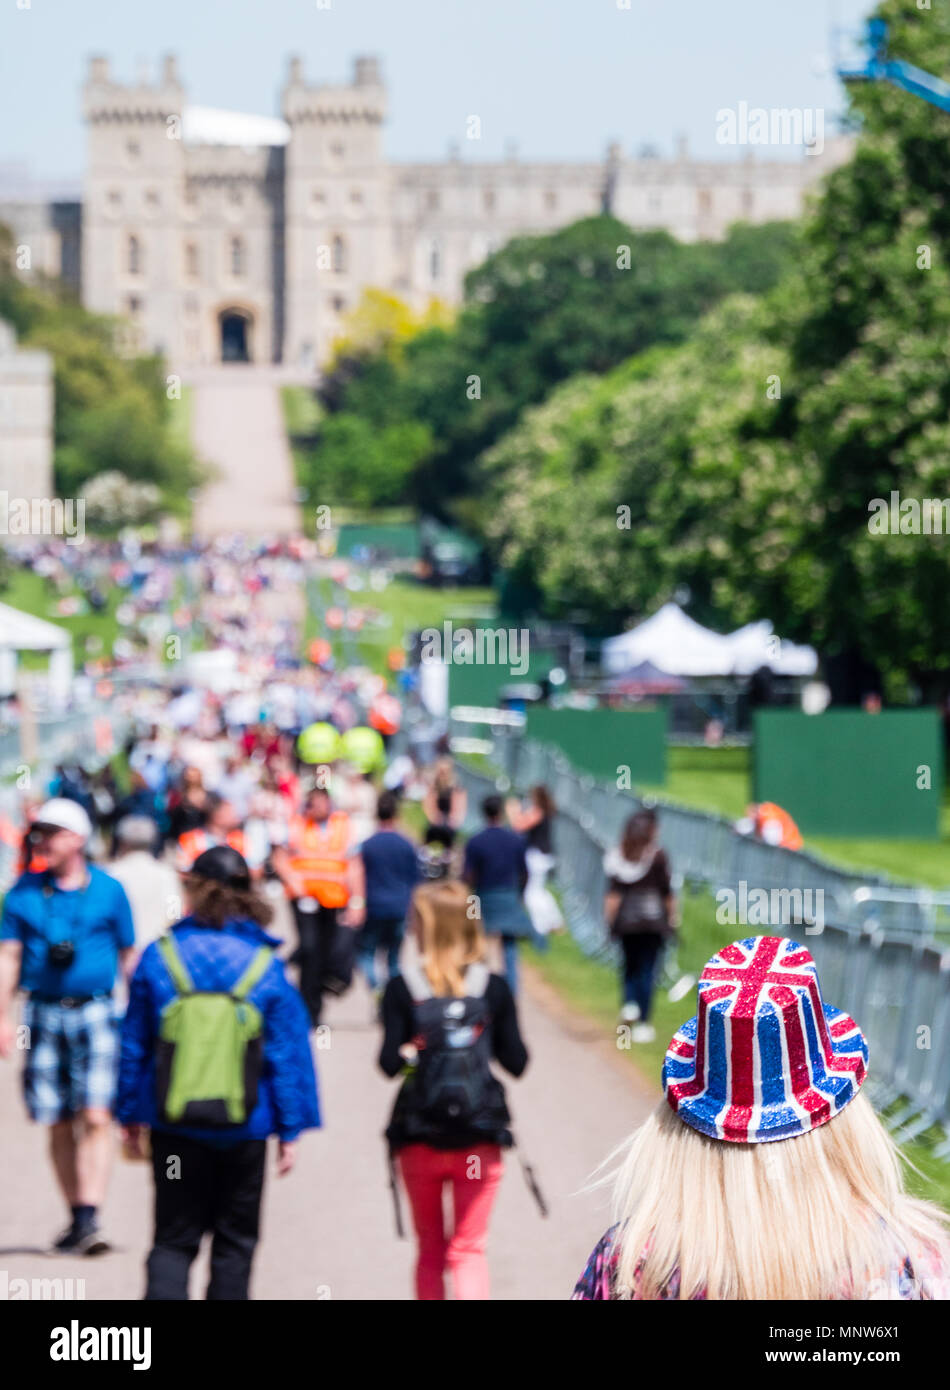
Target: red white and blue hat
{"x": 765, "y": 1057}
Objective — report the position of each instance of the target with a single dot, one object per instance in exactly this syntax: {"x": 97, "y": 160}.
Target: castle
{"x": 221, "y": 237}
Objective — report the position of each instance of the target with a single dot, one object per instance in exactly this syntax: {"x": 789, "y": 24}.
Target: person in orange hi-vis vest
{"x": 775, "y": 826}
{"x": 221, "y": 828}
{"x": 25, "y": 843}
{"x": 323, "y": 877}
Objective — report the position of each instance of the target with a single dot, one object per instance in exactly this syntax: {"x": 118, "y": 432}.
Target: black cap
{"x": 223, "y": 864}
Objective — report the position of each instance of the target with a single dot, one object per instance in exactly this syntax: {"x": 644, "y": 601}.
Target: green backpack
{"x": 210, "y": 1047}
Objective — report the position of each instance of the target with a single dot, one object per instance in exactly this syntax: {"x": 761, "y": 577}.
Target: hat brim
{"x": 797, "y": 1111}
{"x": 48, "y": 826}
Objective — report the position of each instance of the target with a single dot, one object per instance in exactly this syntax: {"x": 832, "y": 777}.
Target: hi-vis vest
{"x": 791, "y": 835}
{"x": 318, "y": 856}
{"x": 195, "y": 842}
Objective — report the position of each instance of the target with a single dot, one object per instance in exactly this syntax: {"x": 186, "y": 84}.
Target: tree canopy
{"x": 537, "y": 312}
{"x": 112, "y": 413}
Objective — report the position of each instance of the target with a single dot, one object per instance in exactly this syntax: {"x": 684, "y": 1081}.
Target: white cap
{"x": 65, "y": 815}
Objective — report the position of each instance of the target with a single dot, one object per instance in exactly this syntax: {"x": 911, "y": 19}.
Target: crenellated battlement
{"x": 364, "y": 99}
{"x": 108, "y": 100}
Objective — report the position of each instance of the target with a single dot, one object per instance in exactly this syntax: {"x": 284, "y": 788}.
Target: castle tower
{"x": 131, "y": 211}
{"x": 337, "y": 215}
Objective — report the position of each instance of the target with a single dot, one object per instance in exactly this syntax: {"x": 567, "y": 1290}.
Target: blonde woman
{"x": 765, "y": 1174}
{"x": 445, "y": 1019}
{"x": 444, "y": 804}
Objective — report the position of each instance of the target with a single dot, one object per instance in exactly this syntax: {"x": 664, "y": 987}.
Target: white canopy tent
{"x": 678, "y": 645}
{"x": 22, "y": 632}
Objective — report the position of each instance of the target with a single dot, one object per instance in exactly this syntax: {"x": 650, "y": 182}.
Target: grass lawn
{"x": 32, "y": 594}
{"x": 719, "y": 779}
{"x": 302, "y": 413}
{"x": 592, "y": 987}
{"x": 180, "y": 415}
{"x": 407, "y": 605}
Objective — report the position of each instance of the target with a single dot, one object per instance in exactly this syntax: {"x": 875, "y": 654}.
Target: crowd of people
{"x": 175, "y": 940}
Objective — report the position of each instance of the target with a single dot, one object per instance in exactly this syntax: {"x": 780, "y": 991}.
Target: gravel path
{"x": 238, "y": 428}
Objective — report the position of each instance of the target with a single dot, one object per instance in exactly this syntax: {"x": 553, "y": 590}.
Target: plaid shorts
{"x": 72, "y": 1060}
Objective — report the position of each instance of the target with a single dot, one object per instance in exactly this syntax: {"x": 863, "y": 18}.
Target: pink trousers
{"x": 474, "y": 1175}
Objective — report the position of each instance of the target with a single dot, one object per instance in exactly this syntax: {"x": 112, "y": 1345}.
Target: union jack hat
{"x": 765, "y": 1057}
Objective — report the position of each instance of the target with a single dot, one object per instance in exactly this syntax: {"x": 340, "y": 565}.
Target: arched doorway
{"x": 235, "y": 335}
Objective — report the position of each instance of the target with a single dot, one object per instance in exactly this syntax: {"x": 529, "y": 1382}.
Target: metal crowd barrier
{"x": 58, "y": 739}
{"x": 879, "y": 957}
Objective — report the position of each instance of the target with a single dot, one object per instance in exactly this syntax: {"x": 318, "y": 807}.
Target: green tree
{"x": 111, "y": 411}
{"x": 538, "y": 311}
{"x": 750, "y": 455}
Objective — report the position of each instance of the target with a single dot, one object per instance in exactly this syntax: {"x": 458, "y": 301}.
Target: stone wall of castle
{"x": 26, "y": 419}
{"x": 207, "y": 249}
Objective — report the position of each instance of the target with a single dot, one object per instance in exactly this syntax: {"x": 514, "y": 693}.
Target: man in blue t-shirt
{"x": 496, "y": 870}
{"x": 64, "y": 933}
{"x": 392, "y": 871}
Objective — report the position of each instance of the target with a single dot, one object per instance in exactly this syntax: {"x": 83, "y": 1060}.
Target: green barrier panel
{"x": 498, "y": 662}
{"x": 601, "y": 741}
{"x": 845, "y": 772}
{"x": 398, "y": 539}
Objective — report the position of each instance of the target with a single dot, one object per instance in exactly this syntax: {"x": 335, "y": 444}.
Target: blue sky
{"x": 558, "y": 78}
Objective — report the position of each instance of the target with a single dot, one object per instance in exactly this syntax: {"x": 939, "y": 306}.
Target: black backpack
{"x": 451, "y": 1095}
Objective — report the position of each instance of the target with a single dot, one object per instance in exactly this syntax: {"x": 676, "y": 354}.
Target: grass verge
{"x": 719, "y": 780}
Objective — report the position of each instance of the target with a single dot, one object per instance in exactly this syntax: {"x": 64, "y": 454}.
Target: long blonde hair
{"x": 821, "y": 1216}
{"x": 449, "y": 937}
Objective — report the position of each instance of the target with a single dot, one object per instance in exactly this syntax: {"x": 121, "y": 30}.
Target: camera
{"x": 61, "y": 954}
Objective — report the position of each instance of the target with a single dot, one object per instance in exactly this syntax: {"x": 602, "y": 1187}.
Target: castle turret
{"x": 133, "y": 191}
{"x": 336, "y": 208}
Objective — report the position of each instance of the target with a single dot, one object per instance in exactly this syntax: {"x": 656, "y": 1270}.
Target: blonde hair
{"x": 821, "y": 1216}
{"x": 444, "y": 776}
{"x": 449, "y": 938}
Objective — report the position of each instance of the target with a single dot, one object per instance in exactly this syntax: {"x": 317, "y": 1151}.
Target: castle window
{"x": 748, "y": 200}
{"x": 237, "y": 256}
{"x": 318, "y": 195}
{"x": 134, "y": 305}
{"x": 133, "y": 149}
{"x": 550, "y": 200}
{"x": 356, "y": 195}
{"x": 338, "y": 255}
{"x": 114, "y": 197}
{"x": 191, "y": 259}
{"x": 337, "y": 149}
{"x": 152, "y": 198}
{"x": 134, "y": 256}
{"x": 489, "y": 200}
{"x": 432, "y": 200}
{"x": 235, "y": 195}
{"x": 705, "y": 200}
{"x": 435, "y": 261}
{"x": 339, "y": 304}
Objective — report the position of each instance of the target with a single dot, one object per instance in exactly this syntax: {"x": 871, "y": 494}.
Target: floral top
{"x": 598, "y": 1282}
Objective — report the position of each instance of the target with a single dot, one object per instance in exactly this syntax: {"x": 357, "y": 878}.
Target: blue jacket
{"x": 215, "y": 958}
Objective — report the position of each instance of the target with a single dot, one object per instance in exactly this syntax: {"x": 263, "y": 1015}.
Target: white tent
{"x": 678, "y": 645}
{"x": 22, "y": 632}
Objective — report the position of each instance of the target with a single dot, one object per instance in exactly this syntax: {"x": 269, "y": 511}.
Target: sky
{"x": 555, "y": 79}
